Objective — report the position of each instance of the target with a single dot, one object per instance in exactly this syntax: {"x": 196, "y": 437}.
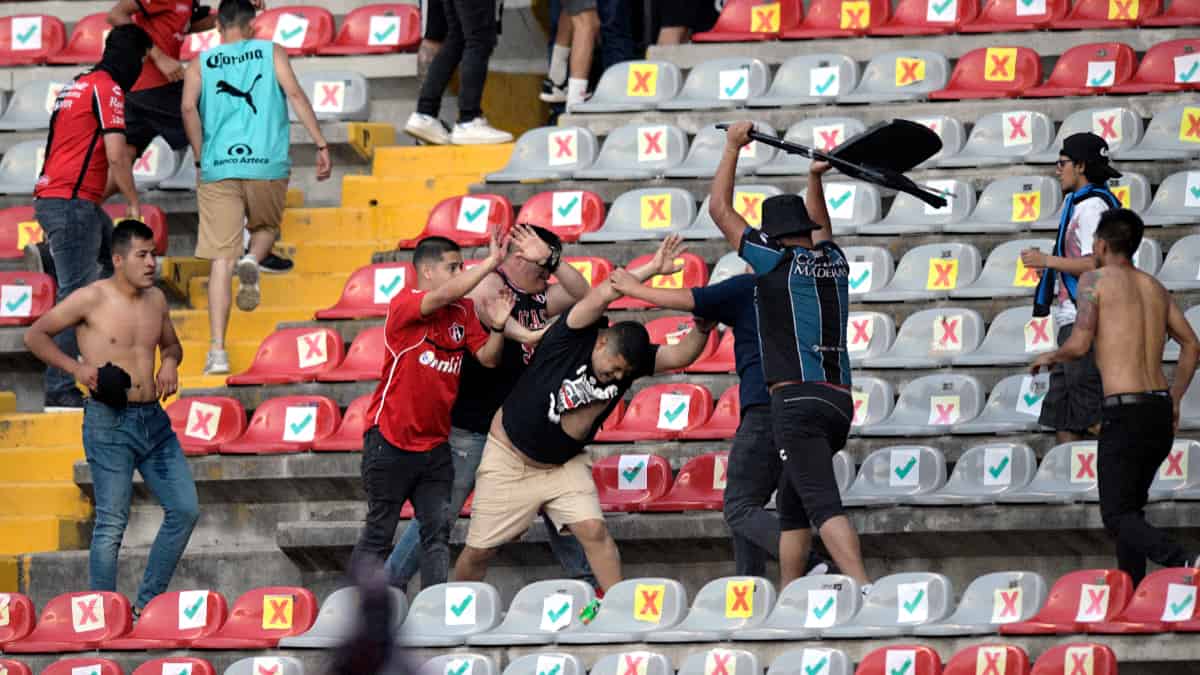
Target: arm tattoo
{"x": 1087, "y": 300}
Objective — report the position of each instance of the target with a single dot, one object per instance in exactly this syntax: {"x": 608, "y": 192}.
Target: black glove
{"x": 200, "y": 12}
{"x": 113, "y": 385}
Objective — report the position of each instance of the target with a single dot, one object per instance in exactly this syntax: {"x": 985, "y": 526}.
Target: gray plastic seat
{"x": 31, "y": 106}
{"x": 1136, "y": 189}
{"x": 623, "y": 663}
{"x": 336, "y": 95}
{"x": 1002, "y": 276}
{"x": 879, "y": 80}
{"x": 339, "y": 617}
{"x": 806, "y": 607}
{"x": 278, "y": 665}
{"x": 844, "y": 471}
{"x": 871, "y": 267}
{"x": 809, "y": 79}
{"x": 931, "y": 405}
{"x": 20, "y": 167}
{"x": 1009, "y": 343}
{"x": 548, "y": 154}
{"x": 1162, "y": 137}
{"x": 559, "y": 663}
{"x": 446, "y": 614}
{"x": 897, "y": 604}
{"x": 893, "y": 475}
{"x": 983, "y": 473}
{"x": 1014, "y": 204}
{"x": 637, "y": 152}
{"x": 632, "y": 86}
{"x": 704, "y": 155}
{"x": 989, "y": 602}
{"x": 1179, "y": 476}
{"x": 950, "y": 131}
{"x": 747, "y": 199}
{"x": 931, "y": 338}
{"x": 910, "y": 215}
{"x": 1012, "y": 407}
{"x": 718, "y": 84}
{"x": 628, "y": 613}
{"x": 185, "y": 176}
{"x": 822, "y": 133}
{"x": 873, "y": 401}
{"x": 1175, "y": 202}
{"x": 1189, "y": 407}
{"x": 928, "y": 272}
{"x": 1171, "y": 351}
{"x": 1003, "y": 138}
{"x": 1067, "y": 474}
{"x": 648, "y": 213}
{"x": 717, "y": 660}
{"x": 869, "y": 335}
{"x": 852, "y": 206}
{"x": 459, "y": 663}
{"x": 1148, "y": 257}
{"x": 539, "y": 613}
{"x": 1127, "y": 128}
{"x": 729, "y": 265}
{"x": 812, "y": 661}
{"x": 155, "y": 165}
{"x": 709, "y": 620}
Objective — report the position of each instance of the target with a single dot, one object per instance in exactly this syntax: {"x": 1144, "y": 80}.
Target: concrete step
{"x": 40, "y": 429}
{"x": 338, "y": 257}
{"x": 43, "y": 498}
{"x": 192, "y": 324}
{"x": 39, "y": 464}
{"x": 241, "y": 355}
{"x": 26, "y": 534}
{"x": 446, "y": 160}
{"x": 281, "y": 291}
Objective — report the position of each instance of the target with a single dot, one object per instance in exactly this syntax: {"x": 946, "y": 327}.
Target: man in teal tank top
{"x": 235, "y": 112}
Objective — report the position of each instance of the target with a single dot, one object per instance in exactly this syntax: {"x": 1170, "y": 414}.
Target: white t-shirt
{"x": 1081, "y": 235}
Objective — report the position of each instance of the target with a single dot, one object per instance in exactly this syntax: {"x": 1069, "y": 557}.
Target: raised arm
{"x": 1084, "y": 331}
{"x": 464, "y": 283}
{"x": 720, "y": 196}
{"x": 670, "y": 298}
{"x": 1189, "y": 350}
{"x": 570, "y": 289}
{"x": 687, "y": 350}
{"x": 589, "y": 310}
{"x": 815, "y": 203}
{"x": 72, "y": 311}
{"x": 494, "y": 313}
{"x": 190, "y": 109}
{"x": 304, "y": 112}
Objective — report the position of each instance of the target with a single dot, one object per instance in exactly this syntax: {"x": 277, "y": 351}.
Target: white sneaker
{"x": 865, "y": 589}
{"x": 426, "y": 128}
{"x": 247, "y": 273}
{"x": 478, "y": 132}
{"x": 217, "y": 362}
{"x": 818, "y": 570}
{"x": 553, "y": 92}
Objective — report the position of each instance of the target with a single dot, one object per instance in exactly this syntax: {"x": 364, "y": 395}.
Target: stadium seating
{"x": 1179, "y": 476}
{"x": 560, "y": 663}
{"x": 931, "y": 338}
{"x": 539, "y": 613}
{"x": 567, "y": 213}
{"x": 871, "y": 267}
{"x": 18, "y": 228}
{"x": 1158, "y": 71}
{"x": 927, "y": 272}
{"x": 460, "y": 662}
{"x": 721, "y": 84}
{"x": 907, "y": 75}
{"x": 812, "y": 659}
{"x": 349, "y": 434}
{"x": 1013, "y": 406}
{"x": 204, "y": 423}
{"x": 809, "y": 79}
{"x": 466, "y": 219}
{"x": 266, "y": 665}
{"x": 21, "y": 165}
{"x": 723, "y": 608}
{"x": 22, "y": 616}
{"x": 1165, "y": 601}
{"x": 669, "y": 330}
{"x": 1009, "y": 137}
{"x": 14, "y": 667}
{"x": 949, "y": 131}
{"x": 873, "y": 400}
{"x": 1173, "y": 133}
{"x": 1121, "y": 128}
{"x": 1189, "y": 408}
{"x": 339, "y": 616}
{"x": 263, "y": 616}
{"x": 369, "y": 290}
{"x": 989, "y": 602}
{"x": 998, "y": 659}
{"x": 548, "y": 154}
{"x": 896, "y": 604}
{"x": 1010, "y": 16}
{"x": 909, "y": 659}
{"x": 24, "y": 297}
{"x": 910, "y": 215}
{"x": 992, "y": 72}
{"x": 153, "y": 216}
{"x": 1076, "y": 600}
{"x": 807, "y": 606}
{"x": 172, "y": 621}
{"x": 293, "y": 355}
{"x": 286, "y": 424}
{"x": 1176, "y": 202}
{"x": 646, "y": 213}
{"x": 719, "y": 660}
{"x": 694, "y": 273}
{"x": 75, "y": 622}
{"x": 336, "y": 95}
{"x": 983, "y": 473}
{"x": 1013, "y": 338}
{"x": 700, "y": 485}
{"x": 633, "y": 609}
{"x": 822, "y": 133}
{"x": 723, "y": 423}
{"x": 747, "y": 200}
{"x": 182, "y": 665}
{"x": 30, "y": 39}
{"x": 1094, "y": 14}
{"x": 718, "y": 360}
{"x": 852, "y": 206}
{"x": 445, "y": 615}
{"x": 633, "y": 86}
{"x": 86, "y": 44}
{"x": 892, "y": 475}
{"x": 377, "y": 29}
{"x": 594, "y": 270}
{"x": 93, "y": 665}
{"x": 31, "y": 106}
{"x": 1087, "y": 657}
{"x": 300, "y": 29}
{"x": 185, "y": 177}
{"x": 364, "y": 360}
{"x": 1003, "y": 274}
{"x": 927, "y": 17}
{"x": 156, "y": 164}
{"x": 839, "y": 19}
{"x": 627, "y": 482}
{"x": 637, "y": 152}
{"x": 1088, "y": 69}
{"x": 198, "y": 43}
{"x": 1067, "y": 474}
{"x": 1010, "y": 205}
{"x": 931, "y": 405}
{"x": 869, "y": 335}
{"x": 750, "y": 20}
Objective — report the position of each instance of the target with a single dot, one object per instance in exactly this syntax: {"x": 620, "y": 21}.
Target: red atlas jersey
{"x": 76, "y": 165}
{"x": 422, "y": 369}
{"x": 167, "y": 22}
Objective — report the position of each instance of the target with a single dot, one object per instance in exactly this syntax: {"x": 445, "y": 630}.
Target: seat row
{"x": 19, "y": 227}
{"x": 901, "y": 75}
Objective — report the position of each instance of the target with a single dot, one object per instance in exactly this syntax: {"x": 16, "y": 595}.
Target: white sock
{"x": 560, "y": 57}
{"x": 576, "y": 90}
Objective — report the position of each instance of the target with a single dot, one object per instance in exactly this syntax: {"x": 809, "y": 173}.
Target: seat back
{"x": 626, "y": 482}
{"x": 266, "y": 665}
{"x": 869, "y": 334}
{"x": 336, "y": 95}
{"x": 1148, "y": 256}
{"x": 717, "y": 661}
{"x": 594, "y": 270}
{"x": 93, "y": 665}
{"x": 349, "y": 434}
{"x": 871, "y": 268}
{"x": 627, "y": 663}
{"x": 460, "y": 663}
{"x": 153, "y": 217}
{"x": 21, "y": 616}
{"x": 1121, "y": 128}
{"x": 694, "y": 273}
{"x": 641, "y": 147}
{"x": 1018, "y": 398}
{"x": 18, "y": 229}
{"x": 1183, "y": 260}
{"x": 747, "y": 201}
{"x": 1076, "y": 657}
{"x": 907, "y": 599}
{"x": 873, "y": 400}
{"x": 1160, "y": 65}
{"x": 453, "y": 609}
{"x": 547, "y": 607}
{"x": 704, "y": 154}
{"x": 294, "y": 354}
{"x": 156, "y": 164}
{"x": 1010, "y": 135}
{"x": 1166, "y": 595}
{"x": 370, "y": 290}
{"x": 1015, "y": 335}
{"x": 21, "y": 166}
{"x": 1178, "y": 196}
{"x": 198, "y": 43}
{"x": 1004, "y": 269}
{"x": 903, "y": 75}
{"x": 178, "y": 665}
{"x": 1179, "y": 471}
{"x": 818, "y": 602}
{"x": 90, "y": 616}
{"x": 549, "y": 151}
{"x": 814, "y": 76}
{"x": 1000, "y": 598}
{"x": 992, "y": 659}
{"x": 182, "y": 615}
{"x": 728, "y": 265}
{"x": 743, "y": 20}
{"x": 843, "y": 17}
{"x": 1068, "y": 469}
{"x": 908, "y": 659}
{"x": 30, "y": 38}
{"x": 25, "y": 296}
{"x": 271, "y": 612}
{"x": 1006, "y": 71}
{"x": 811, "y": 660}
{"x": 86, "y": 44}
{"x": 951, "y": 133}
{"x": 469, "y": 219}
{"x": 203, "y": 423}
{"x": 559, "y": 663}
{"x": 294, "y": 421}
{"x": 567, "y": 213}
{"x": 185, "y": 176}
{"x": 1175, "y": 129}
{"x": 635, "y": 85}
{"x": 300, "y": 29}
{"x": 899, "y": 471}
{"x": 31, "y": 105}
{"x": 1094, "y": 67}
{"x": 844, "y": 471}
{"x": 938, "y": 268}
{"x": 703, "y": 480}
{"x": 852, "y": 205}
{"x": 381, "y": 26}
{"x": 340, "y": 616}
{"x": 647, "y": 213}
{"x": 908, "y": 210}
{"x": 1020, "y": 201}
{"x": 1117, "y": 14}
{"x": 735, "y": 79}
{"x": 640, "y": 606}
{"x": 366, "y": 353}
{"x": 1086, "y": 596}
{"x": 996, "y": 15}
{"x": 939, "y": 400}
{"x": 939, "y": 333}
{"x": 823, "y": 133}
{"x": 931, "y": 14}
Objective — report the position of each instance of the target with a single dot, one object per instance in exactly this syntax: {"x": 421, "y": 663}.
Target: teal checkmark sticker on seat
{"x": 298, "y": 427}
{"x": 473, "y": 215}
{"x": 999, "y": 468}
{"x": 633, "y": 471}
{"x": 462, "y": 606}
{"x": 855, "y": 282}
{"x": 380, "y": 37}
{"x": 903, "y": 670}
{"x": 462, "y": 668}
{"x": 1190, "y": 73}
{"x": 556, "y": 614}
{"x": 1178, "y": 608}
{"x": 568, "y": 207}
{"x": 389, "y": 288}
{"x": 190, "y": 612}
{"x": 553, "y": 671}
{"x": 821, "y": 611}
{"x": 912, "y": 605}
{"x": 836, "y": 202}
{"x": 291, "y": 34}
{"x": 824, "y": 87}
{"x": 1032, "y": 399}
{"x": 902, "y": 471}
{"x": 17, "y": 303}
{"x": 939, "y": 8}
{"x": 27, "y": 35}
{"x": 1101, "y": 79}
{"x": 817, "y": 667}
{"x": 1195, "y": 190}
{"x": 672, "y": 415}
{"x": 734, "y": 88}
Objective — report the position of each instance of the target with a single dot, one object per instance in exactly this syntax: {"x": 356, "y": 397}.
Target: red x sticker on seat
{"x": 329, "y": 97}
{"x": 947, "y": 333}
{"x": 1006, "y": 605}
{"x": 268, "y": 665}
{"x": 203, "y": 420}
{"x": 739, "y": 599}
{"x": 720, "y": 662}
{"x": 991, "y": 661}
{"x": 1175, "y": 466}
{"x": 1038, "y": 334}
{"x": 147, "y": 164}
{"x": 562, "y": 147}
{"x": 652, "y": 144}
{"x": 826, "y": 137}
{"x": 765, "y": 18}
{"x": 1083, "y": 463}
{"x": 642, "y": 79}
{"x": 1122, "y": 10}
{"x": 277, "y": 612}
{"x": 656, "y": 211}
{"x": 856, "y": 15}
{"x": 87, "y": 612}
{"x": 311, "y": 349}
{"x": 648, "y": 602}
{"x": 862, "y": 402}
{"x": 1017, "y": 128}
{"x": 909, "y": 71}
{"x": 1000, "y": 64}
{"x": 1189, "y": 125}
{"x": 1107, "y": 125}
{"x": 749, "y": 206}
{"x": 862, "y": 329}
{"x": 943, "y": 274}
{"x": 1026, "y": 206}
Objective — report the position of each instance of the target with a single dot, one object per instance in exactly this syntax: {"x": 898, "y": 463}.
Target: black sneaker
{"x": 70, "y": 399}
{"x": 273, "y": 264}
{"x": 553, "y": 92}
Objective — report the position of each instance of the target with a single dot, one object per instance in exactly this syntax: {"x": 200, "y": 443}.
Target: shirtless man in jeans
{"x": 1128, "y": 315}
{"x": 121, "y": 322}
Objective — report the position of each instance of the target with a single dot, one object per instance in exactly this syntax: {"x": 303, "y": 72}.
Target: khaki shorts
{"x": 228, "y": 206}
{"x": 509, "y": 493}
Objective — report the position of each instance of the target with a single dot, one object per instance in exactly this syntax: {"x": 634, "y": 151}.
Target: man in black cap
{"x": 1072, "y": 405}
{"x": 803, "y": 305}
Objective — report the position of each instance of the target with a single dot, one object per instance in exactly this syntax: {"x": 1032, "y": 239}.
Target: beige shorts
{"x": 509, "y": 493}
{"x": 228, "y": 206}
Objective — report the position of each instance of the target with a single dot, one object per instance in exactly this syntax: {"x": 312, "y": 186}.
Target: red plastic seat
{"x": 152, "y": 216}
{"x": 752, "y": 20}
{"x": 198, "y": 43}
{"x": 1157, "y": 72}
{"x": 467, "y": 219}
{"x": 928, "y": 17}
{"x": 377, "y": 29}
{"x": 87, "y": 41}
{"x": 291, "y": 32}
{"x": 1073, "y": 73}
{"x": 612, "y": 421}
{"x": 293, "y": 355}
{"x": 204, "y": 423}
{"x": 369, "y": 290}
{"x": 594, "y": 269}
{"x": 669, "y": 330}
{"x": 194, "y": 666}
{"x": 567, "y": 213}
{"x": 1067, "y": 602}
{"x": 647, "y": 420}
{"x": 364, "y": 359}
{"x": 1177, "y": 13}
{"x": 721, "y": 360}
{"x": 263, "y": 616}
{"x": 694, "y": 273}
{"x": 1092, "y": 14}
{"x": 407, "y": 512}
{"x": 273, "y": 430}
{"x": 14, "y": 667}
{"x": 700, "y": 486}
{"x": 618, "y": 494}
{"x": 1004, "y": 16}
{"x": 76, "y": 622}
{"x": 173, "y": 620}
{"x": 993, "y": 72}
{"x": 25, "y": 296}
{"x": 94, "y": 666}
{"x": 990, "y": 659}
{"x": 1151, "y": 602}
{"x": 20, "y": 620}
{"x": 18, "y": 228}
{"x": 349, "y": 434}
{"x": 723, "y": 423}
{"x": 30, "y": 39}
{"x": 1073, "y": 658}
{"x": 921, "y": 660}
{"x": 840, "y": 18}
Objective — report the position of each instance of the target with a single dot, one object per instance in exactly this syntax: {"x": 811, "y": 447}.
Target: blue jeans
{"x": 79, "y": 234}
{"x": 466, "y": 449}
{"x": 116, "y": 442}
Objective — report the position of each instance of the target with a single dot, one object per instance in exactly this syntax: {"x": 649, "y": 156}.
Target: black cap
{"x": 785, "y": 215}
{"x": 1091, "y": 149}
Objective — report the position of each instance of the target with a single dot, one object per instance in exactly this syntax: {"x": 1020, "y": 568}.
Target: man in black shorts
{"x": 679, "y": 19}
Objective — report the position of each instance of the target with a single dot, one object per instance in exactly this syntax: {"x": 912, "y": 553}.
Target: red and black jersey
{"x": 167, "y": 22}
{"x": 76, "y": 166}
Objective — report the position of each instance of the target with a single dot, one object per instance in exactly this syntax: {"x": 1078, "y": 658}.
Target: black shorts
{"x": 155, "y": 112}
{"x": 695, "y": 15}
{"x": 811, "y": 422}
{"x": 1073, "y": 402}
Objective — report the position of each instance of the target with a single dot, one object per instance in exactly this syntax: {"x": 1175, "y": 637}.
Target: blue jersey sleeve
{"x": 760, "y": 251}
{"x": 722, "y": 302}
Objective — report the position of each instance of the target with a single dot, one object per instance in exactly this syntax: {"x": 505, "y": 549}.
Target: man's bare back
{"x": 1128, "y": 310}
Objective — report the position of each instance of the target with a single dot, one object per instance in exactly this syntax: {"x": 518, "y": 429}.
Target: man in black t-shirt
{"x": 535, "y": 458}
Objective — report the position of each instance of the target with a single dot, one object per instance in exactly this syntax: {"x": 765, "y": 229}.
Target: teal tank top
{"x": 244, "y": 113}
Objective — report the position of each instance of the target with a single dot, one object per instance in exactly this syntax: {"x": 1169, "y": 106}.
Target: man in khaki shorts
{"x": 536, "y": 458}
{"x": 236, "y": 116}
